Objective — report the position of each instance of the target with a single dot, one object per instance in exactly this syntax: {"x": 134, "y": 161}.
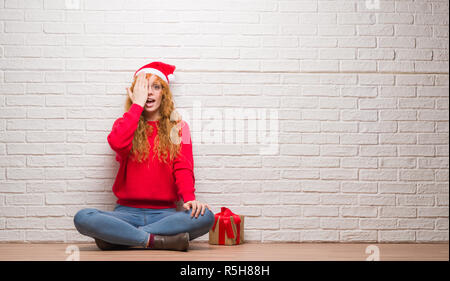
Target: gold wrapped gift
{"x": 228, "y": 228}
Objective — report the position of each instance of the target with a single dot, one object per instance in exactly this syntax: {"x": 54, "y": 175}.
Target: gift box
{"x": 228, "y": 228}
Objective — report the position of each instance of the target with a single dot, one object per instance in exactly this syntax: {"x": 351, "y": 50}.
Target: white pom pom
{"x": 171, "y": 77}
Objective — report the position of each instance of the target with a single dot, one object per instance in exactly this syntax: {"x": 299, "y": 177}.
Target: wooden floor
{"x": 245, "y": 252}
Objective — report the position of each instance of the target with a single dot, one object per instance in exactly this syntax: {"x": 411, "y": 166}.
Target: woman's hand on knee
{"x": 197, "y": 207}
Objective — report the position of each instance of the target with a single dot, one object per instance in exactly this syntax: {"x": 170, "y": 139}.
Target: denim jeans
{"x": 131, "y": 226}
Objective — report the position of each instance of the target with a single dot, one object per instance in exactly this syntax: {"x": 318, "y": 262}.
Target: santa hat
{"x": 160, "y": 69}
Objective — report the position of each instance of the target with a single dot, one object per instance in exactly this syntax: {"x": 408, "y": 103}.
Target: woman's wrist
{"x": 141, "y": 104}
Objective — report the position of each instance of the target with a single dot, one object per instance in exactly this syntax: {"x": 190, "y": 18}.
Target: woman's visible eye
{"x": 157, "y": 87}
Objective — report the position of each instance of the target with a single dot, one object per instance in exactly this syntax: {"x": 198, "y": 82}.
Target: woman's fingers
{"x": 143, "y": 80}
{"x": 139, "y": 80}
{"x": 145, "y": 85}
{"x": 141, "y": 89}
{"x": 203, "y": 209}
{"x": 199, "y": 208}
{"x": 194, "y": 208}
{"x": 130, "y": 94}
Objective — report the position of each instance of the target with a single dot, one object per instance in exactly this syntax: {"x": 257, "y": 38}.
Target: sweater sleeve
{"x": 121, "y": 136}
{"x": 183, "y": 167}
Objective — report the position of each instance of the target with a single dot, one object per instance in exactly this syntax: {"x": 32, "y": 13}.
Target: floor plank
{"x": 247, "y": 251}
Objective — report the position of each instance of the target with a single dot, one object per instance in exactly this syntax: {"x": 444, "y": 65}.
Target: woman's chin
{"x": 150, "y": 108}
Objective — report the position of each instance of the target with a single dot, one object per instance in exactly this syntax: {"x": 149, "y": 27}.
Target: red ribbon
{"x": 224, "y": 218}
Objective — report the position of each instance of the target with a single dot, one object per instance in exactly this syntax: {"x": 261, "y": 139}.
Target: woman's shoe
{"x": 178, "y": 242}
{"x": 106, "y": 246}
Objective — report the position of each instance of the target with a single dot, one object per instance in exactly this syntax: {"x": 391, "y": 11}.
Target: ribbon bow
{"x": 224, "y": 218}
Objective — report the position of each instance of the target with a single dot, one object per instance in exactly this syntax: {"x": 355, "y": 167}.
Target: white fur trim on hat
{"x": 171, "y": 77}
{"x": 153, "y": 71}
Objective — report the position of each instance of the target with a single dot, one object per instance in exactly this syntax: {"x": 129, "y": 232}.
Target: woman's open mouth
{"x": 150, "y": 102}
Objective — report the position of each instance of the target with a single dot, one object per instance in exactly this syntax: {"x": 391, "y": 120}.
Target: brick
{"x": 20, "y": 124}
{"x": 338, "y": 223}
{"x": 415, "y": 200}
{"x": 319, "y": 186}
{"x": 398, "y": 42}
{"x": 59, "y": 223}
{"x": 416, "y": 175}
{"x": 434, "y": 67}
{"x": 431, "y": 236}
{"x": 358, "y": 115}
{"x": 24, "y": 199}
{"x": 432, "y": 211}
{"x": 52, "y": 211}
{"x": 300, "y": 174}
{"x": 46, "y": 161}
{"x": 358, "y": 187}
{"x": 397, "y": 236}
{"x": 378, "y": 54}
{"x": 359, "y": 212}
{"x": 377, "y": 200}
{"x": 45, "y": 137}
{"x": 437, "y": 163}
{"x": 12, "y": 235}
{"x": 379, "y": 103}
{"x": 398, "y": 212}
{"x": 434, "y": 188}
{"x": 63, "y": 149}
{"x": 64, "y": 198}
{"x": 378, "y": 224}
{"x": 25, "y": 223}
{"x": 46, "y": 186}
{"x": 45, "y": 235}
{"x": 442, "y": 224}
{"x": 262, "y": 223}
{"x": 314, "y": 162}
{"x": 270, "y": 236}
{"x": 363, "y": 162}
{"x": 12, "y": 161}
{"x": 281, "y": 185}
{"x": 97, "y": 185}
{"x": 378, "y": 127}
{"x": 99, "y": 198}
{"x": 397, "y": 188}
{"x": 416, "y": 103}
{"x": 358, "y": 236}
{"x": 320, "y": 211}
{"x": 279, "y": 211}
{"x": 25, "y": 173}
{"x": 378, "y": 150}
{"x": 415, "y": 224}
{"x": 305, "y": 199}
{"x": 295, "y": 223}
{"x": 48, "y": 113}
{"x": 61, "y": 173}
{"x": 316, "y": 235}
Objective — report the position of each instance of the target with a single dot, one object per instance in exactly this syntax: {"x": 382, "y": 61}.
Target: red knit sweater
{"x": 150, "y": 184}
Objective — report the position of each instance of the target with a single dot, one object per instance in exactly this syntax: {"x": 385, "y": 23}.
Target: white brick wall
{"x": 360, "y": 89}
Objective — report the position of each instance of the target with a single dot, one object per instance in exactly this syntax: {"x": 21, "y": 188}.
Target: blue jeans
{"x": 131, "y": 226}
